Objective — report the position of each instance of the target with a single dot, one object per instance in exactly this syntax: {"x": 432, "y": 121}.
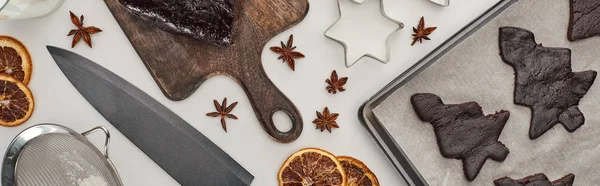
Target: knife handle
{"x": 266, "y": 99}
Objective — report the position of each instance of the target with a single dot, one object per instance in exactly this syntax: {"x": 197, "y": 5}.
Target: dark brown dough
{"x": 463, "y": 132}
{"x": 536, "y": 180}
{"x": 585, "y": 19}
{"x": 544, "y": 81}
{"x": 206, "y": 20}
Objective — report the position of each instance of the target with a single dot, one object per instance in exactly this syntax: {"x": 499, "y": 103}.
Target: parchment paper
{"x": 474, "y": 71}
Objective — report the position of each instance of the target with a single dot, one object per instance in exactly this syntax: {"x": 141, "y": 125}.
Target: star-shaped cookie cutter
{"x": 438, "y": 2}
{"x": 348, "y": 65}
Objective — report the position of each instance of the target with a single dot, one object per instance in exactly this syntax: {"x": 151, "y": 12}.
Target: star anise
{"x": 223, "y": 111}
{"x": 326, "y": 120}
{"x": 335, "y": 84}
{"x": 421, "y": 32}
{"x": 81, "y": 32}
{"x": 287, "y": 52}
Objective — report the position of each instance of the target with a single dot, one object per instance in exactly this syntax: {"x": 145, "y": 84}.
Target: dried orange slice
{"x": 15, "y": 59}
{"x": 357, "y": 173}
{"x": 16, "y": 101}
{"x": 311, "y": 166}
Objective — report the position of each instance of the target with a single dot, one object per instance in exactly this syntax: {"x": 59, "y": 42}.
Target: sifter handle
{"x": 107, "y": 141}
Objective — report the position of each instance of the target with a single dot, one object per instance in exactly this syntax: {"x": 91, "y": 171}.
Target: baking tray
{"x": 379, "y": 133}
{"x": 397, "y": 156}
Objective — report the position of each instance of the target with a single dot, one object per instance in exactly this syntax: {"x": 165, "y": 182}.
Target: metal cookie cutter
{"x": 348, "y": 63}
{"x": 438, "y": 2}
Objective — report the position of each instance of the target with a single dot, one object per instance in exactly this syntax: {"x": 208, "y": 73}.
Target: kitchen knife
{"x": 177, "y": 147}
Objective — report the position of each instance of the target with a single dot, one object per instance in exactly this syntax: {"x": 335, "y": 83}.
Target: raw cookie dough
{"x": 585, "y": 19}
{"x": 536, "y": 180}
{"x": 544, "y": 81}
{"x": 206, "y": 20}
{"x": 463, "y": 132}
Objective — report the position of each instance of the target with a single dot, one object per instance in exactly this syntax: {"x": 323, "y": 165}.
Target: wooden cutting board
{"x": 180, "y": 64}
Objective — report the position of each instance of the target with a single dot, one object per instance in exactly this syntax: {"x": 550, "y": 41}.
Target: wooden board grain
{"x": 180, "y": 64}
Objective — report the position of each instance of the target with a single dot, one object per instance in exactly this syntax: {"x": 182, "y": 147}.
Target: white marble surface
{"x": 58, "y": 102}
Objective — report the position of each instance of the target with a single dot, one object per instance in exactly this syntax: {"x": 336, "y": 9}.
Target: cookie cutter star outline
{"x": 384, "y": 14}
{"x": 437, "y": 2}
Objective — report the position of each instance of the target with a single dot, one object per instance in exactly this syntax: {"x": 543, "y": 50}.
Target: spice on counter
{"x": 81, "y": 32}
{"x": 336, "y": 84}
{"x": 287, "y": 53}
{"x": 16, "y": 99}
{"x": 16, "y": 102}
{"x": 421, "y": 32}
{"x": 357, "y": 173}
{"x": 326, "y": 120}
{"x": 15, "y": 59}
{"x": 312, "y": 166}
{"x": 223, "y": 111}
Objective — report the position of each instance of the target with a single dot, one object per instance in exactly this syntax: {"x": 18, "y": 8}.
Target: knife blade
{"x": 177, "y": 147}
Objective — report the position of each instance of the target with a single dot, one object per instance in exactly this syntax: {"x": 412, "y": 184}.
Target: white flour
{"x": 76, "y": 166}
{"x": 92, "y": 181}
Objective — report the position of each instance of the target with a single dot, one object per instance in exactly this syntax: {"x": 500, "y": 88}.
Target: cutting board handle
{"x": 264, "y": 89}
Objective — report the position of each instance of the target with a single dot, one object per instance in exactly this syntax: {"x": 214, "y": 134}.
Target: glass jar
{"x": 26, "y": 9}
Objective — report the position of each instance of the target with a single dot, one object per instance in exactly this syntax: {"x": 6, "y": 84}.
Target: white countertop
{"x": 58, "y": 102}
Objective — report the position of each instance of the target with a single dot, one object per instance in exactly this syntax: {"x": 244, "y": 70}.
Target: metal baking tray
{"x": 379, "y": 133}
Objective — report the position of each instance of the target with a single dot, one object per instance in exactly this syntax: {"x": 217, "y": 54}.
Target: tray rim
{"x": 384, "y": 140}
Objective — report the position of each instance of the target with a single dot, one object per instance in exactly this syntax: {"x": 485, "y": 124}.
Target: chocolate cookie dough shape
{"x": 544, "y": 81}
{"x": 536, "y": 180}
{"x": 584, "y": 21}
{"x": 206, "y": 20}
{"x": 463, "y": 132}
